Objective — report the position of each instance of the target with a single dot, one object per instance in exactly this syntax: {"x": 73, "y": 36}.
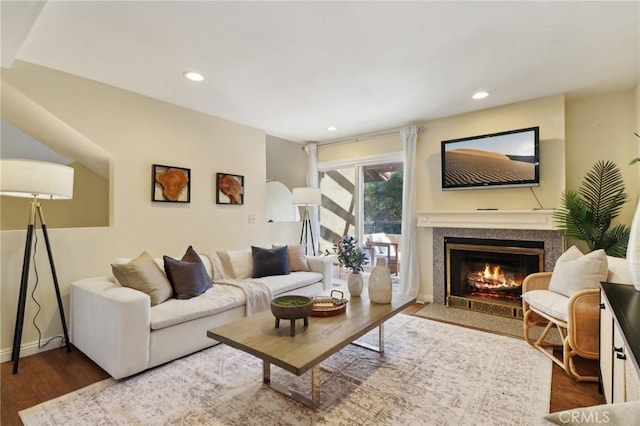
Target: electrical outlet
{"x": 252, "y": 218}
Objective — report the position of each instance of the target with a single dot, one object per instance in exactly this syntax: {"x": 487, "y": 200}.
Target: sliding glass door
{"x": 364, "y": 200}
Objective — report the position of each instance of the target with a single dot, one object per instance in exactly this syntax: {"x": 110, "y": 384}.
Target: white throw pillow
{"x": 574, "y": 271}
{"x": 241, "y": 263}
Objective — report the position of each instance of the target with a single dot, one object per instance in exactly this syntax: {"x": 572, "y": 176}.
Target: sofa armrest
{"x": 111, "y": 324}
{"x": 324, "y": 266}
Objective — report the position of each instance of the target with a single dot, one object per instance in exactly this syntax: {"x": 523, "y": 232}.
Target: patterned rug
{"x": 431, "y": 374}
{"x": 482, "y": 321}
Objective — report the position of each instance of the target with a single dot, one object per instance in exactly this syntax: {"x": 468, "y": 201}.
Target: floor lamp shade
{"x": 306, "y": 196}
{"x": 29, "y": 178}
{"x": 35, "y": 179}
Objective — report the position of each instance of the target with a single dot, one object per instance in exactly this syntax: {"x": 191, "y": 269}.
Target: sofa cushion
{"x": 297, "y": 258}
{"x": 574, "y": 271}
{"x": 188, "y": 276}
{"x": 279, "y": 284}
{"x": 218, "y": 298}
{"x": 268, "y": 262}
{"x": 143, "y": 274}
{"x": 241, "y": 263}
{"x": 549, "y": 302}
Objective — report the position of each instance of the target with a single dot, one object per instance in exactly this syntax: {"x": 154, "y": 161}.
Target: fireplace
{"x": 486, "y": 274}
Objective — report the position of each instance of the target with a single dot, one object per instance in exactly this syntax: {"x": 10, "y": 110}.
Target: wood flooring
{"x": 56, "y": 372}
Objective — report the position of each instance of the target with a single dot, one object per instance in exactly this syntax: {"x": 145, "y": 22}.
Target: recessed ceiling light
{"x": 480, "y": 95}
{"x": 193, "y": 76}
{"x": 332, "y": 128}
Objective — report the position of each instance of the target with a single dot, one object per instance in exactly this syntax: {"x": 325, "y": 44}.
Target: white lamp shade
{"x": 29, "y": 178}
{"x": 306, "y": 196}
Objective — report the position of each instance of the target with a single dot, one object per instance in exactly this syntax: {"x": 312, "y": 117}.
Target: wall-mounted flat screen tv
{"x": 504, "y": 159}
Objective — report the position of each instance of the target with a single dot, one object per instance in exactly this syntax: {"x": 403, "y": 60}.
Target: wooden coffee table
{"x": 257, "y": 335}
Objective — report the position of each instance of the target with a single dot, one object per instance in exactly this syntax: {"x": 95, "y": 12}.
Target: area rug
{"x": 482, "y": 321}
{"x": 431, "y": 374}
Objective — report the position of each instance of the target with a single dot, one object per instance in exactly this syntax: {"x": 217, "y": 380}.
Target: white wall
{"x": 138, "y": 132}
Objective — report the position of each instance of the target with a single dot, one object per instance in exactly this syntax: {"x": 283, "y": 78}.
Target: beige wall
{"x": 547, "y": 113}
{"x": 573, "y": 135}
{"x": 601, "y": 128}
{"x": 286, "y": 162}
{"x": 89, "y": 206}
{"x": 359, "y": 149}
{"x": 137, "y": 132}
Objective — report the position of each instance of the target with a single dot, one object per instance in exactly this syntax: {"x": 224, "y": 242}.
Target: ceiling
{"x": 295, "y": 68}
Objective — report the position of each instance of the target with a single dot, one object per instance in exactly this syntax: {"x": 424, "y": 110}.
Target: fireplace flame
{"x": 491, "y": 277}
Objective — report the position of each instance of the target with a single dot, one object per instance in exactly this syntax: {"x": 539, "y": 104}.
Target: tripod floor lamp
{"x": 35, "y": 180}
{"x": 307, "y": 197}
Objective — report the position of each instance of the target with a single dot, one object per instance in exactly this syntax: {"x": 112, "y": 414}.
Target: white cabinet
{"x": 618, "y": 372}
{"x": 606, "y": 352}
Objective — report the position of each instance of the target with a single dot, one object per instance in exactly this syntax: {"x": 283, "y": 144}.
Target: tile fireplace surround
{"x": 521, "y": 225}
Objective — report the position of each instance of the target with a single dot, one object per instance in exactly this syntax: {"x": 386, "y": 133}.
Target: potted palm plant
{"x": 587, "y": 214}
{"x": 351, "y": 256}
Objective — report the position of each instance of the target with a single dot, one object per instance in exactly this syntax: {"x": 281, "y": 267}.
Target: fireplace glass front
{"x": 487, "y": 275}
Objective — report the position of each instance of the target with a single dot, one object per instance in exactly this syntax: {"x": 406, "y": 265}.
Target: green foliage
{"x": 586, "y": 214}
{"x": 350, "y": 255}
{"x": 383, "y": 200}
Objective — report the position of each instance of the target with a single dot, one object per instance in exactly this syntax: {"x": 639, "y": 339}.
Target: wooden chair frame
{"x": 392, "y": 260}
{"x": 579, "y": 334}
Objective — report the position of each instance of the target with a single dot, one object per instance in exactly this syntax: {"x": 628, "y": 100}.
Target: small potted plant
{"x": 352, "y": 257}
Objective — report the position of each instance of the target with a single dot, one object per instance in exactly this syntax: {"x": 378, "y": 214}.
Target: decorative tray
{"x": 327, "y": 306}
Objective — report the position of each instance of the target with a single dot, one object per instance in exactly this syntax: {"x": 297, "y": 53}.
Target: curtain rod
{"x": 356, "y": 138}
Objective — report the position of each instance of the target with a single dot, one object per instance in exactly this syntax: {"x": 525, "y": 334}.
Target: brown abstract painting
{"x": 170, "y": 184}
{"x": 230, "y": 189}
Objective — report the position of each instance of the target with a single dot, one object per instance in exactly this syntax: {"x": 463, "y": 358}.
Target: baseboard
{"x": 30, "y": 348}
{"x": 424, "y": 298}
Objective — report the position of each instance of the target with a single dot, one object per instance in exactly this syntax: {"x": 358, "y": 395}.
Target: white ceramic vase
{"x": 633, "y": 249}
{"x": 355, "y": 284}
{"x": 380, "y": 283}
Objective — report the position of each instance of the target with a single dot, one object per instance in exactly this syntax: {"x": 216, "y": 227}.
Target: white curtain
{"x": 410, "y": 272}
{"x": 311, "y": 148}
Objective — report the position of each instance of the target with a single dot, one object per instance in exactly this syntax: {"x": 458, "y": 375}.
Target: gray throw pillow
{"x": 188, "y": 276}
{"x": 267, "y": 262}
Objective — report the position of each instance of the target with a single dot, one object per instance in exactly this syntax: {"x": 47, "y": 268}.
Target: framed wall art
{"x": 170, "y": 184}
{"x": 229, "y": 189}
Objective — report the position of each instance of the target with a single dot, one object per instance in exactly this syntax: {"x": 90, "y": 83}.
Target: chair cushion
{"x": 143, "y": 274}
{"x": 574, "y": 271}
{"x": 551, "y": 303}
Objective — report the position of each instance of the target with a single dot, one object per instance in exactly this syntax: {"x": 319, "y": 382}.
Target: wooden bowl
{"x": 291, "y": 307}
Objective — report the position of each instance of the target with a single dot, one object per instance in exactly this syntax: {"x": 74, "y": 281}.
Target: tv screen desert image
{"x": 495, "y": 160}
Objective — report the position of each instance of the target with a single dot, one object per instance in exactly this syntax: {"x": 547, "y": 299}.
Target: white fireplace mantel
{"x": 489, "y": 219}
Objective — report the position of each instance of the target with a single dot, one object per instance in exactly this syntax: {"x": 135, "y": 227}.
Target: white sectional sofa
{"x": 117, "y": 327}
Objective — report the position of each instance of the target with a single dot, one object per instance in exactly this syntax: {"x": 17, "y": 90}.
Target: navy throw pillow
{"x": 267, "y": 262}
